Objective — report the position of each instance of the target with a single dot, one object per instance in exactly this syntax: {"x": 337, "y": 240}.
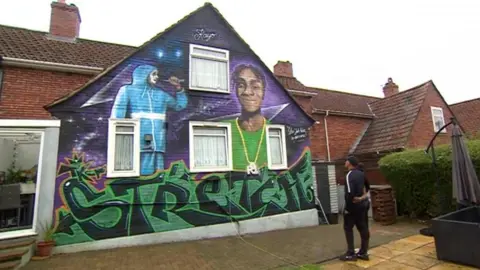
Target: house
{"x": 468, "y": 114}
{"x": 368, "y": 127}
{"x": 189, "y": 132}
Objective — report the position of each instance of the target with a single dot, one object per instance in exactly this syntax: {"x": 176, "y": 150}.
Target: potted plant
{"x": 45, "y": 246}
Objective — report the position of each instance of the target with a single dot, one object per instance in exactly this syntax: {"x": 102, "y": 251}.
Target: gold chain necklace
{"x": 252, "y": 166}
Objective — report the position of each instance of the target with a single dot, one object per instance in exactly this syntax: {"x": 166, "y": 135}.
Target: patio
{"x": 310, "y": 245}
{"x": 411, "y": 253}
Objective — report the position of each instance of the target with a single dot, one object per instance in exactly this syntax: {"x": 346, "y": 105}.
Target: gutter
{"x": 326, "y": 135}
{"x": 341, "y": 113}
{"x": 26, "y": 63}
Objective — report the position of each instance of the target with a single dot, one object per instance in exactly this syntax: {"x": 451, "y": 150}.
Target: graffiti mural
{"x": 152, "y": 86}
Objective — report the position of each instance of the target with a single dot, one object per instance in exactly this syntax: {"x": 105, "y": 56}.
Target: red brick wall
{"x": 422, "y": 131}
{"x": 343, "y": 132}
{"x": 26, "y": 91}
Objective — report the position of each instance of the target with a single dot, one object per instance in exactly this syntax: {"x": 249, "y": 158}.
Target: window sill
{"x": 278, "y": 168}
{"x": 17, "y": 234}
{"x": 210, "y": 170}
{"x": 209, "y": 90}
{"x": 123, "y": 174}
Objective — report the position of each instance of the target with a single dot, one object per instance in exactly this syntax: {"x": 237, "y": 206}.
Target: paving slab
{"x": 272, "y": 250}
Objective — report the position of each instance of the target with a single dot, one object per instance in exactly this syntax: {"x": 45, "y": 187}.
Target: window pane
{"x": 209, "y": 131}
{"x": 276, "y": 154}
{"x": 209, "y": 74}
{"x": 210, "y": 53}
{"x": 123, "y": 152}
{"x": 124, "y": 129}
{"x": 275, "y": 132}
{"x": 210, "y": 151}
{"x": 439, "y": 122}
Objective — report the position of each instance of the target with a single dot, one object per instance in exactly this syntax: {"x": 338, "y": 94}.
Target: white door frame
{"x": 38, "y": 127}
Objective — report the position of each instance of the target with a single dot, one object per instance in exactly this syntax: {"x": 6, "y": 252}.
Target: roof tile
{"x": 468, "y": 115}
{"x": 394, "y": 119}
{"x": 36, "y": 45}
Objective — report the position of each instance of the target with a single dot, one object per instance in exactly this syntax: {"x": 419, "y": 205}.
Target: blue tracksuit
{"x": 148, "y": 103}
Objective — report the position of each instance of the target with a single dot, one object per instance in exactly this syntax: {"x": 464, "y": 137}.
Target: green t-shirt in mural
{"x": 252, "y": 141}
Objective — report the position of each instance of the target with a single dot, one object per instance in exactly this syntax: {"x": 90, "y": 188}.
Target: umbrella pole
{"x": 434, "y": 162}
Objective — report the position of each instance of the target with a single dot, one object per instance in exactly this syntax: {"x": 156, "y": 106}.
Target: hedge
{"x": 411, "y": 175}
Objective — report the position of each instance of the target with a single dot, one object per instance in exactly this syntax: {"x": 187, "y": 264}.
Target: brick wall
{"x": 343, "y": 132}
{"x": 26, "y": 91}
{"x": 422, "y": 131}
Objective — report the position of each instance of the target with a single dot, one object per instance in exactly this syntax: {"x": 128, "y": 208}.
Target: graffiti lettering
{"x": 202, "y": 34}
{"x": 173, "y": 199}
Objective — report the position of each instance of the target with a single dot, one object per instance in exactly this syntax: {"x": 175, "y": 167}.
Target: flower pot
{"x": 44, "y": 248}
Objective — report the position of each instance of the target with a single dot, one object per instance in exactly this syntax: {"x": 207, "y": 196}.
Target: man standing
{"x": 354, "y": 214}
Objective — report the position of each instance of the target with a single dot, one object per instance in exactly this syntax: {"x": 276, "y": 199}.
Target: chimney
{"x": 64, "y": 21}
{"x": 283, "y": 68}
{"x": 390, "y": 88}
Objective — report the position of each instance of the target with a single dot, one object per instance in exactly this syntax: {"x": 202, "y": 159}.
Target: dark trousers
{"x": 358, "y": 218}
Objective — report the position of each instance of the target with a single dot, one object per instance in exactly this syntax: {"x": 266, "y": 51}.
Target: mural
{"x": 152, "y": 86}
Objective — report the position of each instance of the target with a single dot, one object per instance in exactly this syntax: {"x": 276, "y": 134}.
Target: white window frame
{"x": 112, "y": 123}
{"x": 229, "y": 167}
{"x": 432, "y": 110}
{"x": 196, "y": 55}
{"x": 284, "y": 165}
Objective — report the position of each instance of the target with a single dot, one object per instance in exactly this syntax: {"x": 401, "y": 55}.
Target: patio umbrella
{"x": 466, "y": 188}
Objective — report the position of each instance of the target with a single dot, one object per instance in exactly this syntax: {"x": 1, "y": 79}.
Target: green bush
{"x": 411, "y": 174}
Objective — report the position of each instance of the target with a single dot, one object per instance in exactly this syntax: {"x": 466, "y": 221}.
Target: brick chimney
{"x": 64, "y": 21}
{"x": 390, "y": 88}
{"x": 283, "y": 68}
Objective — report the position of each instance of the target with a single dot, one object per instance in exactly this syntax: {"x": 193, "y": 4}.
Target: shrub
{"x": 412, "y": 177}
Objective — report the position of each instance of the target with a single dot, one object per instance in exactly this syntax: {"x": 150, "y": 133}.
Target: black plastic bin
{"x": 457, "y": 236}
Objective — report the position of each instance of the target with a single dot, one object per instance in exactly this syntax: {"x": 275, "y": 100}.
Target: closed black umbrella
{"x": 466, "y": 188}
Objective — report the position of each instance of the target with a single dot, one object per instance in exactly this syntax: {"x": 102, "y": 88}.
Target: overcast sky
{"x": 346, "y": 45}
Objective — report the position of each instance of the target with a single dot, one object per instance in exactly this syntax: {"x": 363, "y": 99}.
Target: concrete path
{"x": 271, "y": 250}
{"x": 411, "y": 253}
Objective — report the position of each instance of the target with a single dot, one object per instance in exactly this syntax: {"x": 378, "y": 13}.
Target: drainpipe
{"x": 326, "y": 134}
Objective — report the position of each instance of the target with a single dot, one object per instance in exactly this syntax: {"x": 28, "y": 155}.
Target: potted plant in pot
{"x": 45, "y": 246}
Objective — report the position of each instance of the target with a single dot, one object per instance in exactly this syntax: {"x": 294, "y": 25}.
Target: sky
{"x": 345, "y": 45}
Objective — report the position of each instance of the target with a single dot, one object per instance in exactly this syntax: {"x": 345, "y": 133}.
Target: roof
{"x": 394, "y": 120}
{"x": 37, "y": 45}
{"x": 468, "y": 115}
{"x": 332, "y": 100}
{"x": 134, "y": 50}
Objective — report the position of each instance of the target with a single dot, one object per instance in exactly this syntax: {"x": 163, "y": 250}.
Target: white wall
{"x": 6, "y": 156}
{"x": 27, "y": 155}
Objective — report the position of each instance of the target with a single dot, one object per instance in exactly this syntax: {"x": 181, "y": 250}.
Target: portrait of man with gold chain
{"x": 249, "y": 129}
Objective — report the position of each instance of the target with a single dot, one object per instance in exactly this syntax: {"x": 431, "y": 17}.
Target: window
{"x": 123, "y": 148}
{"x": 209, "y": 69}
{"x": 438, "y": 120}
{"x": 210, "y": 147}
{"x": 276, "y": 147}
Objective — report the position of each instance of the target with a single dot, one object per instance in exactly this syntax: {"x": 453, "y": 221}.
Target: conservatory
{"x": 27, "y": 175}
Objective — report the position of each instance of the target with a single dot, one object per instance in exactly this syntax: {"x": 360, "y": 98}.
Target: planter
{"x": 44, "y": 248}
{"x": 457, "y": 236}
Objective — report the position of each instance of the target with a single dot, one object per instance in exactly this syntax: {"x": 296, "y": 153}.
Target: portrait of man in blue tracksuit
{"x": 147, "y": 102}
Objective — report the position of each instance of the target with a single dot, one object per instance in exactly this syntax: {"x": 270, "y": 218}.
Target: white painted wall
{"x": 6, "y": 156}
{"x": 332, "y": 184}
{"x": 27, "y": 155}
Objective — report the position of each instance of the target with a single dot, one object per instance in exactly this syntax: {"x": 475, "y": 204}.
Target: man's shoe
{"x": 363, "y": 256}
{"x": 347, "y": 257}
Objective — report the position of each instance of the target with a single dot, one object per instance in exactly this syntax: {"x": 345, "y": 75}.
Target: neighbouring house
{"x": 184, "y": 135}
{"x": 468, "y": 114}
{"x": 368, "y": 127}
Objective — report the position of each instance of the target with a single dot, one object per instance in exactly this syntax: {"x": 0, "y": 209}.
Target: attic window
{"x": 438, "y": 119}
{"x": 209, "y": 69}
